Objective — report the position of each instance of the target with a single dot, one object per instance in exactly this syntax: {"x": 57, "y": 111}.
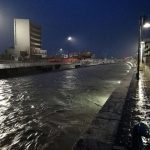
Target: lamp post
{"x": 142, "y": 24}
{"x": 139, "y": 46}
{"x": 70, "y": 39}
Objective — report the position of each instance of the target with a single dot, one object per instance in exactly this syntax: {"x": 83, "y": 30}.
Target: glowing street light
{"x": 142, "y": 24}
{"x": 60, "y": 49}
{"x": 146, "y": 25}
{"x": 72, "y": 42}
{"x": 69, "y": 38}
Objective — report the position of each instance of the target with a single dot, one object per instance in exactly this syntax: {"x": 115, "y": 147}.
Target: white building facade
{"x": 27, "y": 39}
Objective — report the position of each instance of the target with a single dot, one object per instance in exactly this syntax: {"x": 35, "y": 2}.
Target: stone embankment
{"x": 103, "y": 129}
{"x": 15, "y": 69}
{"x": 22, "y": 69}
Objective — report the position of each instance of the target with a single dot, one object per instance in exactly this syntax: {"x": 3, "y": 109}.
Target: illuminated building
{"x": 27, "y": 39}
{"x": 147, "y": 53}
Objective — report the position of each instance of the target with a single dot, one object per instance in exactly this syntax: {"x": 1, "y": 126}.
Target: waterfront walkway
{"x": 103, "y": 129}
{"x": 137, "y": 106}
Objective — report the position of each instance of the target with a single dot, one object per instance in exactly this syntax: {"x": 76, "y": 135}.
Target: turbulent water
{"x": 50, "y": 111}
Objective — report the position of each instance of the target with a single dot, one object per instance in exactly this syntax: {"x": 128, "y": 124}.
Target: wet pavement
{"x": 137, "y": 106}
{"x": 50, "y": 111}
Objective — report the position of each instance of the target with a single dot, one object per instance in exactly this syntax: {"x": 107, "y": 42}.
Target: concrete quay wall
{"x": 101, "y": 133}
{"x": 8, "y": 71}
{"x": 22, "y": 69}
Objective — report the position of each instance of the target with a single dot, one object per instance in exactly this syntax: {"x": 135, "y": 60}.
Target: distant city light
{"x": 60, "y": 49}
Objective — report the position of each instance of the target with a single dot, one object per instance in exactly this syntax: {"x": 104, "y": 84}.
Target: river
{"x": 50, "y": 111}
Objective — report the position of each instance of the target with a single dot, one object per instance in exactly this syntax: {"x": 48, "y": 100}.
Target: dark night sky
{"x": 107, "y": 27}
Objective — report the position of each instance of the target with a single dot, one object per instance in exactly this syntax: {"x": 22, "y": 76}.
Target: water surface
{"x": 50, "y": 111}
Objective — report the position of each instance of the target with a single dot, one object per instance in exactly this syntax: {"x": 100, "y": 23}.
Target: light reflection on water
{"x": 69, "y": 80}
{"x": 50, "y": 111}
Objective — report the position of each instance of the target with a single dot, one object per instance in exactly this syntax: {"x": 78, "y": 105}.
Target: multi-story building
{"x": 27, "y": 39}
{"x": 146, "y": 55}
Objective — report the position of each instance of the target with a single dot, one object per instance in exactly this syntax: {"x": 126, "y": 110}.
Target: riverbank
{"x": 24, "y": 69}
{"x": 103, "y": 130}
{"x": 50, "y": 110}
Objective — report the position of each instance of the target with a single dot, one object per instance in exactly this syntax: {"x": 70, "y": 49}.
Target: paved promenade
{"x": 137, "y": 105}
{"x": 103, "y": 129}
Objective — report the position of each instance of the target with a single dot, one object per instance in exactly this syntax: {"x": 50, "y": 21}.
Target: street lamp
{"x": 142, "y": 24}
{"x": 146, "y": 25}
{"x": 69, "y": 38}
